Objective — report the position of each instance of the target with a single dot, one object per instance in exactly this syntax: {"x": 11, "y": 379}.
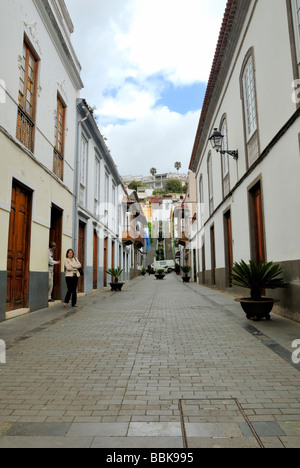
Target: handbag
{"x": 80, "y": 270}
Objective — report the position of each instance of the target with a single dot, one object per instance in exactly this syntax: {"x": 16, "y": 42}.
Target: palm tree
{"x": 178, "y": 166}
{"x": 153, "y": 171}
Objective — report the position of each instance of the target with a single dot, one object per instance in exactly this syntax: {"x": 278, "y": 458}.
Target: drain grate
{"x": 208, "y": 421}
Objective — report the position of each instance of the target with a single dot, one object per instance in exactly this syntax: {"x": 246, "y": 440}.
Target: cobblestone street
{"x": 161, "y": 364}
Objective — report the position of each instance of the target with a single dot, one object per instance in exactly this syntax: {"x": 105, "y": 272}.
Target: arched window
{"x": 249, "y": 98}
{"x": 225, "y": 159}
{"x": 210, "y": 184}
{"x": 248, "y": 92}
{"x": 201, "y": 201}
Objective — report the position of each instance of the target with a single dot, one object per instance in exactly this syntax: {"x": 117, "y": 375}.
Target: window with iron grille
{"x": 27, "y": 98}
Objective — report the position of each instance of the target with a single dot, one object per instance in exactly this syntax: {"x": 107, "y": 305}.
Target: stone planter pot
{"x": 116, "y": 286}
{"x": 186, "y": 279}
{"x": 159, "y": 277}
{"x": 257, "y": 309}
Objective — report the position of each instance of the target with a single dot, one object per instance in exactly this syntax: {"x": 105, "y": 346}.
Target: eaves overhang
{"x": 233, "y": 22}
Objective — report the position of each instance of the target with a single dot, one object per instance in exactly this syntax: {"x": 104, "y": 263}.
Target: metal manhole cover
{"x": 216, "y": 423}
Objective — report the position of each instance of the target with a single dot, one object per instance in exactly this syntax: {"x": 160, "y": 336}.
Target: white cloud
{"x": 131, "y": 102}
{"x": 122, "y": 45}
{"x": 158, "y": 139}
{"x": 172, "y": 37}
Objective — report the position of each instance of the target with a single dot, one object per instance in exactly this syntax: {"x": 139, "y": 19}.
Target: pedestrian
{"x": 51, "y": 263}
{"x": 72, "y": 274}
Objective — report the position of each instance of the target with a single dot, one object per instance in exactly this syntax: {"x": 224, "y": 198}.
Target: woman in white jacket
{"x": 72, "y": 274}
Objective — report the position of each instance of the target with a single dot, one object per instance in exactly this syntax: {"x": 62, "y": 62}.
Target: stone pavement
{"x": 160, "y": 365}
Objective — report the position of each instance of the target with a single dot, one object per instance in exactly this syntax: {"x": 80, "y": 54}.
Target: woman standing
{"x": 72, "y": 275}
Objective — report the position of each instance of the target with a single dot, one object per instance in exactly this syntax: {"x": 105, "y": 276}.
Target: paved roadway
{"x": 160, "y": 365}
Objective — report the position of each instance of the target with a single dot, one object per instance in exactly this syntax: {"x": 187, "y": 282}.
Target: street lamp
{"x": 216, "y": 141}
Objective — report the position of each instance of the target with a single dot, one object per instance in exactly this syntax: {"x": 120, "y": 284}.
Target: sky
{"x": 145, "y": 67}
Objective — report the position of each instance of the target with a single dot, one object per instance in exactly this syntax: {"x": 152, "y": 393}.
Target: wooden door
{"x": 81, "y": 253}
{"x": 228, "y": 246}
{"x": 105, "y": 263}
{"x": 95, "y": 261}
{"x": 203, "y": 259}
{"x": 18, "y": 249}
{"x": 258, "y": 238}
{"x": 113, "y": 255}
{"x": 56, "y": 236}
{"x": 213, "y": 255}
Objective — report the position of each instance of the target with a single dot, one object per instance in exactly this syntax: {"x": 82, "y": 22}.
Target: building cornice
{"x": 85, "y": 111}
{"x": 63, "y": 46}
{"x": 233, "y": 22}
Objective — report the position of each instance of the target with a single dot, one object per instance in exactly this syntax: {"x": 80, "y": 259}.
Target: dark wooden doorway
{"x": 213, "y": 255}
{"x": 56, "y": 236}
{"x": 18, "y": 254}
{"x": 113, "y": 254}
{"x": 81, "y": 253}
{"x": 95, "y": 261}
{"x": 257, "y": 224}
{"x": 228, "y": 247}
{"x": 195, "y": 265}
{"x": 105, "y": 262}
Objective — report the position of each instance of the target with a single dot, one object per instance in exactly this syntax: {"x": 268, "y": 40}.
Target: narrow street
{"x": 162, "y": 364}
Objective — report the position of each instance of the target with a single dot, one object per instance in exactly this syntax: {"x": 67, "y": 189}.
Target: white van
{"x": 168, "y": 265}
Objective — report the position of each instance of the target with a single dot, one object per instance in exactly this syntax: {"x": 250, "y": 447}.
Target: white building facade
{"x": 248, "y": 208}
{"x": 98, "y": 207}
{"x": 40, "y": 81}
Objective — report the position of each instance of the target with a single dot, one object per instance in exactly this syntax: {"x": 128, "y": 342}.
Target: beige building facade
{"x": 40, "y": 81}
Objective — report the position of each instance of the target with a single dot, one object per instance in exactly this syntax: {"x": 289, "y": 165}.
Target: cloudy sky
{"x": 145, "y": 66}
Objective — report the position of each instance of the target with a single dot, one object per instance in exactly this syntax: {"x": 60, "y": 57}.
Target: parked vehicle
{"x": 168, "y": 265}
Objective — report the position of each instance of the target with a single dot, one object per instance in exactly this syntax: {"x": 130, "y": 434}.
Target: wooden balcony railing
{"x": 25, "y": 129}
{"x": 58, "y": 164}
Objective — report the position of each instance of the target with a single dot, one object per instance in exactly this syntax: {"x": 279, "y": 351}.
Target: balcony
{"x": 183, "y": 238}
{"x": 128, "y": 236}
{"x": 25, "y": 129}
{"x": 58, "y": 164}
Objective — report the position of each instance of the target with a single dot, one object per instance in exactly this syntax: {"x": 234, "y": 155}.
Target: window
{"x": 59, "y": 136}
{"x": 114, "y": 207}
{"x": 296, "y": 15}
{"x": 106, "y": 198}
{"x": 248, "y": 93}
{"x": 97, "y": 186}
{"x": 27, "y": 98}
{"x": 210, "y": 184}
{"x": 83, "y": 164}
{"x": 249, "y": 98}
{"x": 225, "y": 160}
{"x": 298, "y": 18}
{"x": 201, "y": 200}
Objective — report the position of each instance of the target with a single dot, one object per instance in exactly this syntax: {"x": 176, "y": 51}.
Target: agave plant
{"x": 115, "y": 273}
{"x": 258, "y": 276}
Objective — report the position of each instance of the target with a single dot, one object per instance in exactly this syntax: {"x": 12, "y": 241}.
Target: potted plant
{"x": 257, "y": 277}
{"x": 143, "y": 271}
{"x": 160, "y": 274}
{"x": 115, "y": 274}
{"x": 186, "y": 270}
